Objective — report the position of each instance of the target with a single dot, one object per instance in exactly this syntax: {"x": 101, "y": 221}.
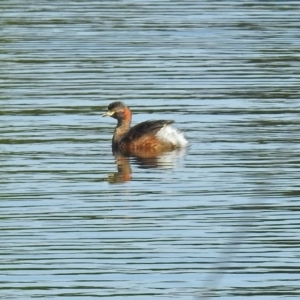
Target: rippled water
{"x": 76, "y": 223}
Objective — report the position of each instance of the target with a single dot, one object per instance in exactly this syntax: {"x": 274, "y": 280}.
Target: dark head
{"x": 119, "y": 111}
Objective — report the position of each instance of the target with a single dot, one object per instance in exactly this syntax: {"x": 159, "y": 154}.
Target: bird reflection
{"x": 143, "y": 159}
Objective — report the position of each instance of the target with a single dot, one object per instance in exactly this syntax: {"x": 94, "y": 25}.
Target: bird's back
{"x": 156, "y": 135}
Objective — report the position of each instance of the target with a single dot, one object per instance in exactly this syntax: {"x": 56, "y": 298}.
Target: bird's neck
{"x": 123, "y": 126}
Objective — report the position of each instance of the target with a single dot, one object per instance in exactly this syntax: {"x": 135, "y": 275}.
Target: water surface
{"x": 223, "y": 215}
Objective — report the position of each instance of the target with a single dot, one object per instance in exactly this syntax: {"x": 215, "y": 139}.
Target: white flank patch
{"x": 172, "y": 135}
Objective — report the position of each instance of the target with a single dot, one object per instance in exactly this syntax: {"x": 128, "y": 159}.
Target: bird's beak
{"x": 108, "y": 114}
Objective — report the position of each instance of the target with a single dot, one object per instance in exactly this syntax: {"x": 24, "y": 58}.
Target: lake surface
{"x": 219, "y": 220}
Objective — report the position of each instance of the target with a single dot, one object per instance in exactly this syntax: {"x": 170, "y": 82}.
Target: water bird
{"x": 146, "y": 139}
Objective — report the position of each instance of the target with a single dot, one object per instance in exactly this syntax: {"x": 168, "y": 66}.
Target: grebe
{"x": 155, "y": 135}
